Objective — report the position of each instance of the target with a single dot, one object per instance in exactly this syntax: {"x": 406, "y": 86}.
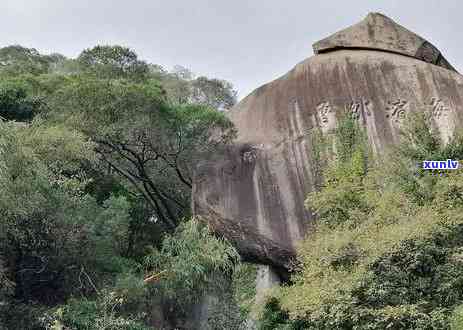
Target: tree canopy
{"x": 96, "y": 161}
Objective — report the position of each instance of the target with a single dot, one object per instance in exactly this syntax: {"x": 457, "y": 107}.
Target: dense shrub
{"x": 386, "y": 253}
{"x": 94, "y": 180}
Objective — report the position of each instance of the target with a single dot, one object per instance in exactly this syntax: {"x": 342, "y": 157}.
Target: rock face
{"x": 379, "y": 32}
{"x": 377, "y": 71}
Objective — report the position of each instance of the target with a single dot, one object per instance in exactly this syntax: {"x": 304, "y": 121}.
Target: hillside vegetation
{"x": 96, "y": 161}
{"x": 387, "y": 251}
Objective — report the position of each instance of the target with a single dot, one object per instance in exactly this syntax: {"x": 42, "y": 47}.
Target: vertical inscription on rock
{"x": 397, "y": 110}
{"x": 326, "y": 116}
{"x": 356, "y": 108}
{"x": 323, "y": 110}
{"x": 438, "y": 108}
{"x": 353, "y": 109}
{"x": 439, "y": 114}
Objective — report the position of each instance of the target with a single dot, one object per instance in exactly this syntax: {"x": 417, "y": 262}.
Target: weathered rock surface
{"x": 379, "y": 32}
{"x": 377, "y": 71}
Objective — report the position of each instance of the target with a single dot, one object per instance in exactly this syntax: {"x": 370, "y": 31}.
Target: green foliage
{"x": 191, "y": 268}
{"x": 16, "y": 60}
{"x": 350, "y": 140}
{"x": 273, "y": 317}
{"x": 244, "y": 286}
{"x": 183, "y": 88}
{"x": 51, "y": 230}
{"x": 224, "y": 313}
{"x": 457, "y": 318}
{"x": 16, "y": 103}
{"x": 342, "y": 196}
{"x": 318, "y": 155}
{"x": 113, "y": 62}
{"x": 386, "y": 251}
{"x": 191, "y": 261}
{"x": 213, "y": 93}
{"x": 100, "y": 314}
{"x": 62, "y": 150}
{"x": 150, "y": 144}
{"x": 419, "y": 143}
{"x": 93, "y": 181}
{"x": 109, "y": 234}
{"x": 20, "y": 315}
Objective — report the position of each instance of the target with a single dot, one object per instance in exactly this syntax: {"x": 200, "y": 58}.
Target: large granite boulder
{"x": 379, "y": 72}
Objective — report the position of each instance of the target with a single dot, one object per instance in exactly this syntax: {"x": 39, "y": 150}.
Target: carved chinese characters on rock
{"x": 397, "y": 110}
{"x": 323, "y": 110}
{"x": 326, "y": 116}
{"x": 355, "y": 108}
{"x": 438, "y": 112}
{"x": 438, "y": 108}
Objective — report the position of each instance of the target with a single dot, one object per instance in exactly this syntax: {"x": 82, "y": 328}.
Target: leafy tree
{"x": 244, "y": 287}
{"x": 193, "y": 264}
{"x": 98, "y": 314}
{"x": 113, "y": 62}
{"x": 190, "y": 261}
{"x": 15, "y": 101}
{"x": 214, "y": 93}
{"x": 178, "y": 88}
{"x": 183, "y": 87}
{"x": 152, "y": 145}
{"x": 17, "y": 60}
{"x": 49, "y": 232}
{"x": 92, "y": 182}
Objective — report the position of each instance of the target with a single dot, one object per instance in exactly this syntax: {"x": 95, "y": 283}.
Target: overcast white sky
{"x": 246, "y": 42}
